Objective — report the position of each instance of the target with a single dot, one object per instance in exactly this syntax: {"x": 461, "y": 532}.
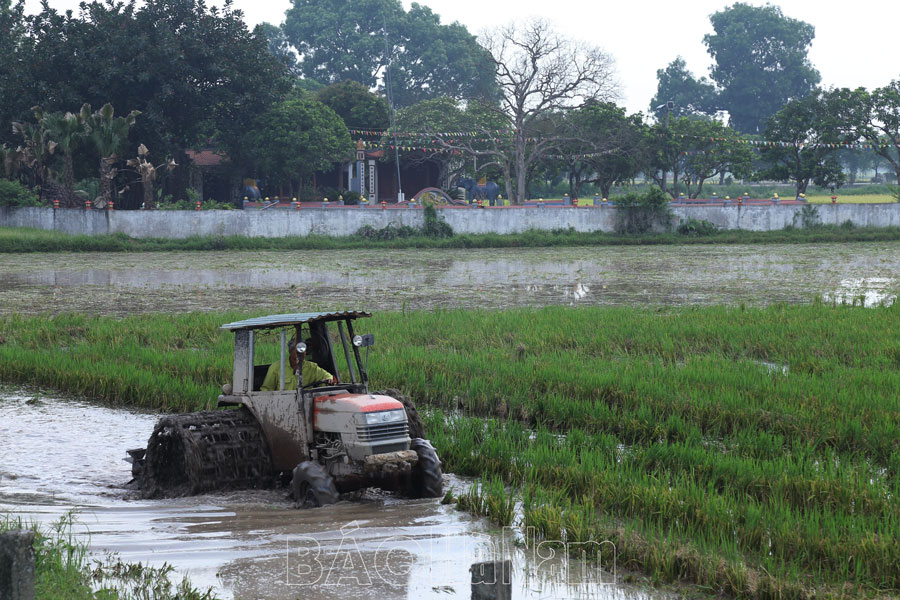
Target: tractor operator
{"x": 312, "y": 373}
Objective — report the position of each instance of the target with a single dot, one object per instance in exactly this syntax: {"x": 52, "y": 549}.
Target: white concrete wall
{"x": 346, "y": 221}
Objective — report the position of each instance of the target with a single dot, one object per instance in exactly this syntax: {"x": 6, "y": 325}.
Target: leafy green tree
{"x": 712, "y": 150}
{"x": 280, "y": 47}
{"x": 13, "y": 99}
{"x": 602, "y": 145}
{"x": 689, "y": 96}
{"x": 438, "y": 60}
{"x": 694, "y": 150}
{"x": 880, "y": 124}
{"x": 429, "y": 135}
{"x": 297, "y": 137}
{"x": 425, "y": 119}
{"x": 340, "y": 41}
{"x": 192, "y": 71}
{"x": 803, "y": 141}
{"x": 108, "y": 134}
{"x": 761, "y": 62}
{"x": 356, "y": 105}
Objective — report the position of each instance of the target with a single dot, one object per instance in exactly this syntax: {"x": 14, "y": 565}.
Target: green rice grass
{"x": 65, "y": 569}
{"x": 753, "y": 451}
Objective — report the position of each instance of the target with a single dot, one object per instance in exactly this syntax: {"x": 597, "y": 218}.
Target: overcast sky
{"x": 855, "y": 43}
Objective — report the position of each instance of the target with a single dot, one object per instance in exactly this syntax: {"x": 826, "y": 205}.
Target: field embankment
{"x": 752, "y": 451}
{"x": 23, "y": 240}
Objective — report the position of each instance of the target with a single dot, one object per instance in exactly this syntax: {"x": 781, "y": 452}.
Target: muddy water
{"x": 389, "y": 279}
{"x": 56, "y": 454}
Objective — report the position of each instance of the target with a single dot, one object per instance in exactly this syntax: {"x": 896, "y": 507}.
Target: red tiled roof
{"x": 205, "y": 158}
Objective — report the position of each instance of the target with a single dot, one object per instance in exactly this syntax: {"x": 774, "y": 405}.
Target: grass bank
{"x": 64, "y": 569}
{"x": 19, "y": 240}
{"x": 755, "y": 452}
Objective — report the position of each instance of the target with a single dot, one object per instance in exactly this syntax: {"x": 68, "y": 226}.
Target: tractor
{"x": 322, "y": 438}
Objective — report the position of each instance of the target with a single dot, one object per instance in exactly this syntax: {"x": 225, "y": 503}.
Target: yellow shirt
{"x": 311, "y": 374}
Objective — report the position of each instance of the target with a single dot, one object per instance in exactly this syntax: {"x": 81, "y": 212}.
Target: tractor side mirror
{"x": 363, "y": 341}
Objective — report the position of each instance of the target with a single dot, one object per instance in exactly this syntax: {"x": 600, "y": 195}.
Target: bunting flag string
{"x": 777, "y": 144}
{"x": 381, "y": 133}
{"x": 432, "y": 143}
{"x": 503, "y": 135}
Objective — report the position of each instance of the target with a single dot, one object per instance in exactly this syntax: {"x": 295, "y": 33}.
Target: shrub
{"x": 697, "y": 228}
{"x": 391, "y": 232}
{"x": 638, "y": 213}
{"x": 12, "y": 193}
{"x": 808, "y": 217}
{"x": 192, "y": 205}
{"x": 350, "y": 197}
{"x": 435, "y": 225}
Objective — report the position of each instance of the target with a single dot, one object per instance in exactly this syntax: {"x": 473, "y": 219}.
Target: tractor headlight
{"x": 385, "y": 416}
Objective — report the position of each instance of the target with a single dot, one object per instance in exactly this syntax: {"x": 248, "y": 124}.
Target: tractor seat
{"x": 259, "y": 375}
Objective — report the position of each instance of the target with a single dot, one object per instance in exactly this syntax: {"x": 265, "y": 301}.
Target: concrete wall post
{"x": 17, "y": 565}
{"x": 492, "y": 580}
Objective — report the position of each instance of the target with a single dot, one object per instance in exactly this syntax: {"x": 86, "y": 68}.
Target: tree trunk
{"x": 605, "y": 189}
{"x": 105, "y": 181}
{"x": 508, "y": 177}
{"x": 69, "y": 181}
{"x": 675, "y": 180}
{"x": 149, "y": 193}
{"x": 520, "y": 165}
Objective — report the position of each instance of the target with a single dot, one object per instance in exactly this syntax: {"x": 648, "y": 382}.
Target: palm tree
{"x": 36, "y": 148}
{"x": 67, "y": 130}
{"x": 10, "y": 161}
{"x": 108, "y": 133}
{"x": 148, "y": 173}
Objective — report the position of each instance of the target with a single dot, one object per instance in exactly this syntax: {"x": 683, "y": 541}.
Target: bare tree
{"x": 541, "y": 74}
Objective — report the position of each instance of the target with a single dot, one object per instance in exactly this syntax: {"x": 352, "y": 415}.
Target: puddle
{"x": 125, "y": 283}
{"x": 865, "y": 291}
{"x": 57, "y": 454}
{"x": 774, "y": 368}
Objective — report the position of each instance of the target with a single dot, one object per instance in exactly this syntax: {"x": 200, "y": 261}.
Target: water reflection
{"x": 866, "y": 291}
{"x": 491, "y": 278}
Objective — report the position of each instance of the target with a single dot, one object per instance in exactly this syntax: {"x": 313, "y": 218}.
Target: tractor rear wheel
{"x": 312, "y": 486}
{"x": 200, "y": 452}
{"x": 416, "y": 427}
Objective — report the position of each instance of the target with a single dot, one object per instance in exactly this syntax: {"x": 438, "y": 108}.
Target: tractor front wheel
{"x": 312, "y": 486}
{"x": 427, "y": 480}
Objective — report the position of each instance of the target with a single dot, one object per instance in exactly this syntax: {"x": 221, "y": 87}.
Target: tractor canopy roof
{"x": 275, "y": 321}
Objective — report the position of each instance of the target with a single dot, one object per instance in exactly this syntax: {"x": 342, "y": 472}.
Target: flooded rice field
{"x": 57, "y": 454}
{"x": 273, "y": 281}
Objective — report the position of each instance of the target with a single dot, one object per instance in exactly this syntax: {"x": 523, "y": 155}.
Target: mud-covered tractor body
{"x": 323, "y": 437}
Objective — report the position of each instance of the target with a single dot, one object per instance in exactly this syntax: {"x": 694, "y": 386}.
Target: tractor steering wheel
{"x": 319, "y": 383}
